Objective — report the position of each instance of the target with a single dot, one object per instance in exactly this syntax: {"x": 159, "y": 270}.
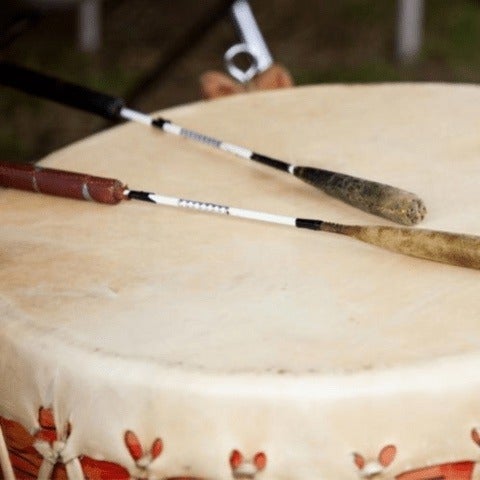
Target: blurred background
{"x": 153, "y": 52}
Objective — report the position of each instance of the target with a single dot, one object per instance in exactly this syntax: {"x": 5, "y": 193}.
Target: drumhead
{"x": 194, "y": 326}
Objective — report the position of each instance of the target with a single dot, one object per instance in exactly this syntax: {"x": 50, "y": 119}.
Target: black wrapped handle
{"x": 60, "y": 91}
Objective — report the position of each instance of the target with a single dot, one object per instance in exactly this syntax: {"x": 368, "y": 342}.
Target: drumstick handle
{"x": 446, "y": 247}
{"x": 60, "y": 91}
{"x": 61, "y": 183}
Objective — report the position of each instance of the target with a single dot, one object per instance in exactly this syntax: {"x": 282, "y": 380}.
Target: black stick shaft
{"x": 376, "y": 198}
{"x": 60, "y": 91}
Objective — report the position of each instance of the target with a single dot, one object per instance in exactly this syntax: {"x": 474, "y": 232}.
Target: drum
{"x": 140, "y": 341}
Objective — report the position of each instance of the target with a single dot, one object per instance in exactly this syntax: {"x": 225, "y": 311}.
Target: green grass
{"x": 450, "y": 48}
{"x": 380, "y": 71}
{"x": 357, "y": 37}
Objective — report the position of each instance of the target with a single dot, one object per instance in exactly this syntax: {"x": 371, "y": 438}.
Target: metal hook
{"x": 243, "y": 76}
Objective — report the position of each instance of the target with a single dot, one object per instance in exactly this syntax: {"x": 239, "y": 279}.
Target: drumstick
{"x": 452, "y": 248}
{"x": 373, "y": 197}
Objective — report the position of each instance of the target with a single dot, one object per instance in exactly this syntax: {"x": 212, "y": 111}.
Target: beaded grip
{"x": 61, "y": 183}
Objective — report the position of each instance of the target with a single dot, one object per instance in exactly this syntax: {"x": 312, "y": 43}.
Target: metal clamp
{"x": 252, "y": 44}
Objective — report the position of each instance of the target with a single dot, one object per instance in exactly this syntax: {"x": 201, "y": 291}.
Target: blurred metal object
{"x": 89, "y": 19}
{"x": 409, "y": 35}
{"x": 89, "y": 25}
{"x": 252, "y": 45}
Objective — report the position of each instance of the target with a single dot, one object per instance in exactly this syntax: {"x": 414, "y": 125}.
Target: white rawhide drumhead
{"x": 250, "y": 349}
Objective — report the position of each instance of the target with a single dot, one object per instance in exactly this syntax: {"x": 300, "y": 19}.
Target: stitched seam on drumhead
{"x": 5, "y": 464}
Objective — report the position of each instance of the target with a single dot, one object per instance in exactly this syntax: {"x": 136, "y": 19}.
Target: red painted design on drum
{"x": 157, "y": 448}
{"x": 101, "y": 470}
{"x": 142, "y": 458}
{"x": 136, "y": 450}
{"x": 242, "y": 468}
{"x": 475, "y": 434}
{"x": 461, "y": 470}
{"x": 387, "y": 455}
{"x": 48, "y": 431}
{"x": 260, "y": 460}
{"x": 358, "y": 460}
{"x": 26, "y": 461}
{"x": 236, "y": 459}
{"x": 446, "y": 471}
{"x": 371, "y": 468}
{"x": 133, "y": 445}
{"x": 45, "y": 417}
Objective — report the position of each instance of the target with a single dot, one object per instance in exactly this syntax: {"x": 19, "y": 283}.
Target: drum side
{"x": 155, "y": 351}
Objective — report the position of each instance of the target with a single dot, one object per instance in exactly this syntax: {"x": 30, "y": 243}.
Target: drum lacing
{"x": 142, "y": 458}
{"x": 246, "y": 469}
{"x": 51, "y": 453}
{"x": 369, "y": 469}
{"x": 143, "y": 468}
{"x": 54, "y": 448}
{"x": 5, "y": 463}
{"x": 57, "y": 452}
